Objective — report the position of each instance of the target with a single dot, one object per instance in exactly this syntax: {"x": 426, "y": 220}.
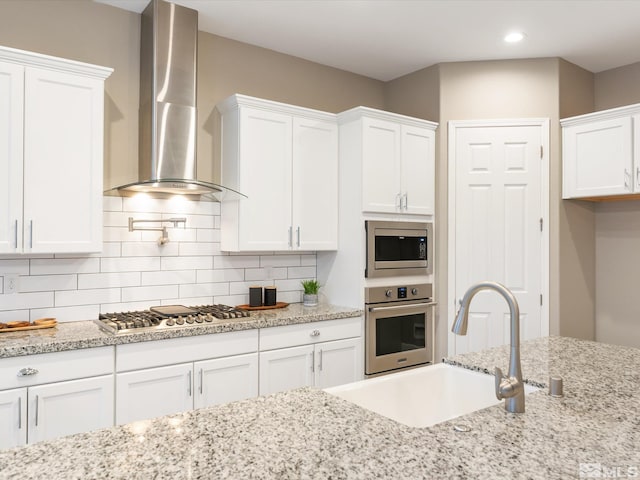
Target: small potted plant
{"x": 310, "y": 296}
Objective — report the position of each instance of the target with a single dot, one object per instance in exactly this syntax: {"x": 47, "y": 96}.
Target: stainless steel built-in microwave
{"x": 398, "y": 248}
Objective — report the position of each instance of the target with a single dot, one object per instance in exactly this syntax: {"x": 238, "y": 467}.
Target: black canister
{"x": 269, "y": 296}
{"x": 255, "y": 296}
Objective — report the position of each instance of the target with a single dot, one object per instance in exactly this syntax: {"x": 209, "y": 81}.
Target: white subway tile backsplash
{"x": 301, "y": 272}
{"x": 226, "y": 275}
{"x": 19, "y": 266}
{"x": 87, "y": 297}
{"x": 204, "y": 289}
{"x": 186, "y": 263}
{"x": 66, "y": 314}
{"x": 170, "y": 277}
{"x": 108, "y": 280}
{"x": 149, "y": 249}
{"x": 199, "y": 248}
{"x": 156, "y": 292}
{"x": 21, "y": 301}
{"x": 208, "y": 235}
{"x": 236, "y": 261}
{"x": 280, "y": 261}
{"x": 134, "y": 273}
{"x": 257, "y": 274}
{"x": 44, "y": 283}
{"x": 130, "y": 264}
{"x": 112, "y": 204}
{"x": 56, "y": 266}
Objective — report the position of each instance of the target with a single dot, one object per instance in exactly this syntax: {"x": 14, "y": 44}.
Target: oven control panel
{"x": 419, "y": 291}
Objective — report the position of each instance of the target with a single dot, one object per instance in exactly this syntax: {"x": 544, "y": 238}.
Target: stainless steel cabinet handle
{"x": 638, "y": 176}
{"x": 27, "y": 371}
{"x": 15, "y": 235}
{"x": 315, "y": 333}
{"x": 189, "y": 384}
{"x": 298, "y": 236}
{"x": 200, "y": 381}
{"x": 37, "y": 408}
{"x": 399, "y": 201}
{"x": 30, "y": 233}
{"x": 320, "y": 361}
{"x": 312, "y": 362}
{"x": 290, "y": 236}
{"x": 406, "y": 201}
{"x": 627, "y": 178}
{"x": 19, "y": 413}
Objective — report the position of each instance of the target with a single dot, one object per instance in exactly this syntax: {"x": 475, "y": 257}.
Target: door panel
{"x": 286, "y": 369}
{"x": 498, "y": 207}
{"x": 13, "y": 418}
{"x": 226, "y": 379}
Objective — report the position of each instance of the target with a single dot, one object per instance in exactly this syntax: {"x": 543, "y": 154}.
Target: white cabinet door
{"x": 265, "y": 177}
{"x": 11, "y": 115}
{"x": 597, "y": 158}
{"x": 286, "y": 369}
{"x": 227, "y": 379}
{"x": 381, "y": 166}
{"x": 153, "y": 392}
{"x": 314, "y": 216}
{"x": 13, "y": 418}
{"x": 65, "y": 408}
{"x": 418, "y": 170}
{"x": 338, "y": 362}
{"x": 63, "y": 139}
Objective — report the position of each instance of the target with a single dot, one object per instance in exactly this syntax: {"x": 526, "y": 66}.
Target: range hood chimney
{"x": 167, "y": 115}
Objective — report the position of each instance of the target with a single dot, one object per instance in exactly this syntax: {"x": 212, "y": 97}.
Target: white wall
{"x": 133, "y": 272}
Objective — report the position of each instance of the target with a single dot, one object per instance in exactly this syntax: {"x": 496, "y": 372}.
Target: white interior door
{"x": 497, "y": 212}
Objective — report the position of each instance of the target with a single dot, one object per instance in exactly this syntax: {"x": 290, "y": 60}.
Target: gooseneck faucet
{"x": 511, "y": 387}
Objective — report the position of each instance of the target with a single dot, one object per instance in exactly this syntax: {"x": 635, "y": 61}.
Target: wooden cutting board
{"x": 49, "y": 324}
{"x": 263, "y": 307}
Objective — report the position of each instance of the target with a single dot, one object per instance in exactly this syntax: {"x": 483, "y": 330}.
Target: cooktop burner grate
{"x": 167, "y": 316}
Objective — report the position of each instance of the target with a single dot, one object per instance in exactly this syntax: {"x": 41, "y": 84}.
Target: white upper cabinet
{"x": 598, "y": 155}
{"x": 285, "y": 160}
{"x": 396, "y": 155}
{"x": 51, "y": 149}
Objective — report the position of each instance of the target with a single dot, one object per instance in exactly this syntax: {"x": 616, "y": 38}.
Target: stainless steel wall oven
{"x": 398, "y": 327}
{"x": 398, "y": 248}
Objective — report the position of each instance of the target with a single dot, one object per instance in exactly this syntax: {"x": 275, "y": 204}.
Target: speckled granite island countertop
{"x": 308, "y": 433}
{"x": 76, "y": 335}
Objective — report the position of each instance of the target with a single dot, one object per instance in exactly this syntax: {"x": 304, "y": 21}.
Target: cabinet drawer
{"x": 55, "y": 367}
{"x": 157, "y": 353}
{"x": 308, "y": 333}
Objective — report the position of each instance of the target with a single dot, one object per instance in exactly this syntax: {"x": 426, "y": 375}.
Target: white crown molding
{"x": 602, "y": 115}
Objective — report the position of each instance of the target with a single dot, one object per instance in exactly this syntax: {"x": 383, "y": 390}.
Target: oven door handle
{"x": 396, "y": 307}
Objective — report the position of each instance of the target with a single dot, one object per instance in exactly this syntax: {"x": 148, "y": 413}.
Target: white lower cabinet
{"x": 66, "y": 408}
{"x": 321, "y": 354}
{"x": 213, "y": 369}
{"x": 55, "y": 394}
{"x": 13, "y": 418}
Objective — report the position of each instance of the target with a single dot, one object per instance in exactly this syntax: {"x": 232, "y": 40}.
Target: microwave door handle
{"x": 397, "y": 307}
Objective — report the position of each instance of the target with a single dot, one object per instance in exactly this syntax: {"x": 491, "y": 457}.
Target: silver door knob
{"x": 27, "y": 371}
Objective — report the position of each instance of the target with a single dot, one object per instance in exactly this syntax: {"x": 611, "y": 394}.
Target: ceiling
{"x": 385, "y": 39}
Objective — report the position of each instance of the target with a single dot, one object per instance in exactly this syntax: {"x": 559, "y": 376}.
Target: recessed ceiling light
{"x": 514, "y": 37}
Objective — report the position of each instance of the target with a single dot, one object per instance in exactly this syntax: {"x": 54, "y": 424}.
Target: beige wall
{"x": 109, "y": 36}
{"x": 617, "y": 227}
{"x": 92, "y": 33}
{"x": 617, "y": 87}
{"x": 492, "y": 90}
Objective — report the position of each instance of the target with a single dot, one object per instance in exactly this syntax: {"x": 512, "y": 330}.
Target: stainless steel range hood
{"x": 168, "y": 117}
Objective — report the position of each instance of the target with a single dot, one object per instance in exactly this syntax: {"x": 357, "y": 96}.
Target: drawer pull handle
{"x": 27, "y": 371}
{"x": 315, "y": 333}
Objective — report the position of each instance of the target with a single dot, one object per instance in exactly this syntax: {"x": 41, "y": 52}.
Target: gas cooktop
{"x": 167, "y": 316}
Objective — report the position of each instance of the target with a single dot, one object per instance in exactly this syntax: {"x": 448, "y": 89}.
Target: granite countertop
{"x": 307, "y": 433}
{"x": 77, "y": 335}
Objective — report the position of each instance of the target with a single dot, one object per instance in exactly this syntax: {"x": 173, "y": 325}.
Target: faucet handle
{"x": 498, "y": 380}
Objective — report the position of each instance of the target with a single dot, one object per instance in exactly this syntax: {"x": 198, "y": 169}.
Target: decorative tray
{"x": 35, "y": 325}
{"x": 263, "y": 307}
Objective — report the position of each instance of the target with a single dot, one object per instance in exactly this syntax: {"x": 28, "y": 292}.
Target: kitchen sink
{"x": 423, "y": 396}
